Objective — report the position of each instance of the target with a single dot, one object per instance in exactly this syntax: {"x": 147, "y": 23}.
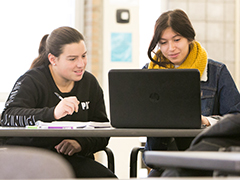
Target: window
{"x": 23, "y": 24}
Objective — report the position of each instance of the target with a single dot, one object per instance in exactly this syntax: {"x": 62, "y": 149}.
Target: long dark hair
{"x": 179, "y": 22}
{"x": 54, "y": 44}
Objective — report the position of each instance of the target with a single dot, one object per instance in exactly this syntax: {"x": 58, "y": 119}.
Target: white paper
{"x": 72, "y": 124}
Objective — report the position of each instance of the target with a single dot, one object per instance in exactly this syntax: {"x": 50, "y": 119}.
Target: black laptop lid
{"x": 167, "y": 98}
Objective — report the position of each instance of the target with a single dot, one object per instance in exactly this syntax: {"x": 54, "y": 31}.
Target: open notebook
{"x": 70, "y": 125}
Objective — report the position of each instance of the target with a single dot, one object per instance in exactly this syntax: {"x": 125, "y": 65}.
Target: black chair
{"x": 133, "y": 160}
{"x": 134, "y": 157}
{"x": 110, "y": 159}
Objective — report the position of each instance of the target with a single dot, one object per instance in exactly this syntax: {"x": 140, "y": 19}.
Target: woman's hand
{"x": 205, "y": 121}
{"x": 68, "y": 147}
{"x": 66, "y": 106}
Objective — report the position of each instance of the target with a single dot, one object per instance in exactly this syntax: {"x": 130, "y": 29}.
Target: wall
{"x": 121, "y": 146}
{"x": 93, "y": 30}
{"x": 216, "y": 23}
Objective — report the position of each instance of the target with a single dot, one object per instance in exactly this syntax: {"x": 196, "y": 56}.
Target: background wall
{"x": 23, "y": 24}
{"x": 216, "y": 23}
{"x": 120, "y": 146}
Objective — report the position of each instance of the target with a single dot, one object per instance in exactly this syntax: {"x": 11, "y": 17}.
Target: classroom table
{"x": 97, "y": 132}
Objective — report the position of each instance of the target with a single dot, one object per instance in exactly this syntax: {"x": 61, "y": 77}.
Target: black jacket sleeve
{"x": 228, "y": 130}
{"x": 90, "y": 145}
{"x": 21, "y": 107}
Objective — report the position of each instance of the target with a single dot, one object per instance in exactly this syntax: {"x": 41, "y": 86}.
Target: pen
{"x": 58, "y": 127}
{"x": 60, "y": 97}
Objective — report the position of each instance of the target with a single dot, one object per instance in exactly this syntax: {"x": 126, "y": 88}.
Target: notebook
{"x": 148, "y": 98}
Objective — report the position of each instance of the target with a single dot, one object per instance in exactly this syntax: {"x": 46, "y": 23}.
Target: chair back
{"x": 32, "y": 163}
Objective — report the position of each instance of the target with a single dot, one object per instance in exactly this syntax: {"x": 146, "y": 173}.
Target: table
{"x": 98, "y": 132}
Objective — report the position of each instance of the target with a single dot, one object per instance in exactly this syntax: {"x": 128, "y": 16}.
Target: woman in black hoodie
{"x": 60, "y": 69}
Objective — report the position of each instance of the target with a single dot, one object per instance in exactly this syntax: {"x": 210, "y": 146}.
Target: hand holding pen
{"x": 66, "y": 106}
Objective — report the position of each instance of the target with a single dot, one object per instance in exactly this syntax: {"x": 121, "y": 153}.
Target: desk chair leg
{"x": 110, "y": 158}
{"x": 133, "y": 161}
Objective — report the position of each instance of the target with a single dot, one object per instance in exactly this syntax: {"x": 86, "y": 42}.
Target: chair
{"x": 110, "y": 159}
{"x": 133, "y": 160}
{"x": 32, "y": 163}
{"x": 222, "y": 163}
{"x": 134, "y": 157}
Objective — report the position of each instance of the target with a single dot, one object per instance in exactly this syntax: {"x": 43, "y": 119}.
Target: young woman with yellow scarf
{"x": 173, "y": 46}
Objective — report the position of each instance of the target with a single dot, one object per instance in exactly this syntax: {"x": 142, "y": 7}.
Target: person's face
{"x": 174, "y": 46}
{"x": 71, "y": 64}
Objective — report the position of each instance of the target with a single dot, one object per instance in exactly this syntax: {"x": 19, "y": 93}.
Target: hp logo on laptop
{"x": 154, "y": 97}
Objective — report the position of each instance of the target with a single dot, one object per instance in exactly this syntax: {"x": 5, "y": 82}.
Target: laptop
{"x": 149, "y": 98}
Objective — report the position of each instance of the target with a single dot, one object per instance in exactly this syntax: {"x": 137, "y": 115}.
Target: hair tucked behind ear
{"x": 54, "y": 44}
{"x": 179, "y": 22}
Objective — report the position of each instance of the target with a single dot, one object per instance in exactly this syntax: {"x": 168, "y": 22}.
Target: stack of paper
{"x": 71, "y": 125}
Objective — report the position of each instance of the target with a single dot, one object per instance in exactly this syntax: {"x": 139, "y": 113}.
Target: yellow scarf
{"x": 196, "y": 59}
